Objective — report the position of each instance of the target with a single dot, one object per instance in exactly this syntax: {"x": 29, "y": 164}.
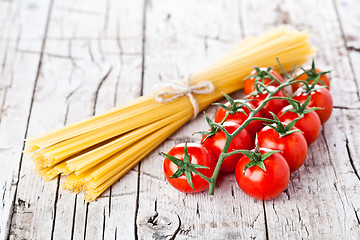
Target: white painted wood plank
{"x": 120, "y": 222}
{"x": 350, "y": 25}
{"x": 349, "y": 19}
{"x": 65, "y": 86}
{"x": 86, "y": 74}
{"x": 81, "y": 61}
{"x": 352, "y": 136}
{"x": 317, "y": 203}
{"x": 51, "y": 109}
{"x": 180, "y": 39}
{"x": 117, "y": 206}
{"x": 18, "y": 73}
{"x": 116, "y": 49}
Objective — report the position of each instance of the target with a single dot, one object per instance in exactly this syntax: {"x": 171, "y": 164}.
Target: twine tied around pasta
{"x": 173, "y": 90}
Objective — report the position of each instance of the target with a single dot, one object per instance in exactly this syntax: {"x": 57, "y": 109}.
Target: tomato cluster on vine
{"x": 262, "y": 138}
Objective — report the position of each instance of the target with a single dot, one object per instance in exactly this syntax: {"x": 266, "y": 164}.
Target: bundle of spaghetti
{"x": 97, "y": 151}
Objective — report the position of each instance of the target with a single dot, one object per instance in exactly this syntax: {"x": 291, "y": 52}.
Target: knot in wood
{"x": 159, "y": 226}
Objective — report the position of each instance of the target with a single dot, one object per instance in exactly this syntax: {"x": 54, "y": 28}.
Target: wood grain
{"x": 63, "y": 61}
{"x": 21, "y": 55}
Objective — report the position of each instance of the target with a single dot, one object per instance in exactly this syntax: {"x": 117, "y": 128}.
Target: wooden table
{"x": 63, "y": 60}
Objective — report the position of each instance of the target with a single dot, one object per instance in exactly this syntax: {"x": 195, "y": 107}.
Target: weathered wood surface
{"x": 63, "y": 61}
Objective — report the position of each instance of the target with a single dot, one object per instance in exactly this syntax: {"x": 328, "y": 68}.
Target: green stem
{"x": 217, "y": 168}
{"x": 264, "y": 119}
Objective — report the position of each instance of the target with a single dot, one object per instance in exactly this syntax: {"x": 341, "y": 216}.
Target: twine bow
{"x": 178, "y": 89}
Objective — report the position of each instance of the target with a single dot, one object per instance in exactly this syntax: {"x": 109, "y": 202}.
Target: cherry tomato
{"x": 216, "y": 144}
{"x": 319, "y": 98}
{"x": 249, "y": 83}
{"x": 239, "y": 118}
{"x": 309, "y": 124}
{"x": 302, "y": 76}
{"x": 274, "y": 105}
{"x": 198, "y": 155}
{"x": 260, "y": 184}
{"x": 293, "y": 146}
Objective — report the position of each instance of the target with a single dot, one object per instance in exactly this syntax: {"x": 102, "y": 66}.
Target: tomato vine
{"x": 270, "y": 90}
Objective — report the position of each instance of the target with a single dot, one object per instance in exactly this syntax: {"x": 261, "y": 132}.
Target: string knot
{"x": 173, "y": 90}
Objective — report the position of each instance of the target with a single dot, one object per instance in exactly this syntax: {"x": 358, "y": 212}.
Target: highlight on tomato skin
{"x": 260, "y": 184}
{"x": 198, "y": 155}
{"x": 216, "y": 144}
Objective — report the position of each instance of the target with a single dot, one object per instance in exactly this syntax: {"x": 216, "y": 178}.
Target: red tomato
{"x": 302, "y": 76}
{"x": 309, "y": 124}
{"x": 249, "y": 83}
{"x": 198, "y": 155}
{"x": 260, "y": 184}
{"x": 216, "y": 144}
{"x": 319, "y": 98}
{"x": 274, "y": 105}
{"x": 239, "y": 118}
{"x": 293, "y": 146}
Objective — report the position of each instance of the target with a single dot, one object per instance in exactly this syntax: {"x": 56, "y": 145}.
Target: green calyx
{"x": 300, "y": 109}
{"x": 312, "y": 75}
{"x": 256, "y": 158}
{"x": 308, "y": 88}
{"x": 214, "y": 127}
{"x": 185, "y": 167}
{"x": 260, "y": 76}
{"x": 282, "y": 129}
